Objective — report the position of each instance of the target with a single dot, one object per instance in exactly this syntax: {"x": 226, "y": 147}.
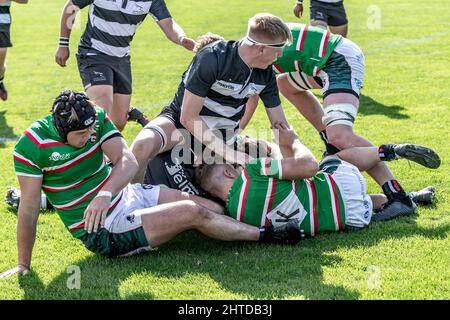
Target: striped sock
{"x": 393, "y": 188}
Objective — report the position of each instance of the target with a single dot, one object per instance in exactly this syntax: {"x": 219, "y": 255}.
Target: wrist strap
{"x": 180, "y": 39}
{"x": 104, "y": 193}
{"x": 63, "y": 42}
{"x": 299, "y": 1}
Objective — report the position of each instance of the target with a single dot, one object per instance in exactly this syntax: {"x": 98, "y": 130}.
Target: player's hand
{"x": 95, "y": 214}
{"x": 61, "y": 56}
{"x": 298, "y": 10}
{"x": 20, "y": 270}
{"x": 284, "y": 135}
{"x": 188, "y": 43}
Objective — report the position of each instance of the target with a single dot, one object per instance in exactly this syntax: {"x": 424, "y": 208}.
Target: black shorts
{"x": 331, "y": 13}
{"x": 173, "y": 114}
{"x": 5, "y": 39}
{"x": 101, "y": 69}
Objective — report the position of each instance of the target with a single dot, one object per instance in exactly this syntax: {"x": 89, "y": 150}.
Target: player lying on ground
{"x": 319, "y": 59}
{"x": 329, "y": 196}
{"x": 63, "y": 154}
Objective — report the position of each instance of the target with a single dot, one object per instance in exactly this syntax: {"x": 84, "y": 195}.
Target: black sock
{"x": 331, "y": 149}
{"x": 264, "y": 234}
{"x": 386, "y": 152}
{"x": 393, "y": 189}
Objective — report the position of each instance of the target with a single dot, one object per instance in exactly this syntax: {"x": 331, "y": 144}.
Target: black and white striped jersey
{"x": 219, "y": 74}
{"x": 112, "y": 24}
{"x": 5, "y": 17}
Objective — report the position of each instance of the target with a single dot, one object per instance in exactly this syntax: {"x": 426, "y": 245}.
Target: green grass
{"x": 405, "y": 99}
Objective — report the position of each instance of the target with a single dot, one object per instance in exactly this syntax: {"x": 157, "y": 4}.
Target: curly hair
{"x": 206, "y": 39}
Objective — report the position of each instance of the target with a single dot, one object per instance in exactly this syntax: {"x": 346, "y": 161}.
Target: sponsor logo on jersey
{"x": 179, "y": 177}
{"x": 56, "y": 156}
{"x": 225, "y": 85}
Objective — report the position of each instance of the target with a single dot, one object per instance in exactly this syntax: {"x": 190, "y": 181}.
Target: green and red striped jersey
{"x": 71, "y": 177}
{"x": 259, "y": 195}
{"x": 310, "y": 49}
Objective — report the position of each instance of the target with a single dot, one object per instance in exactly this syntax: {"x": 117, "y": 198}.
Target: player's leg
{"x": 156, "y": 137}
{"x": 122, "y": 89}
{"x": 103, "y": 96}
{"x": 337, "y": 20}
{"x": 342, "y": 30}
{"x": 365, "y": 158}
{"x": 121, "y": 106}
{"x": 296, "y": 86}
{"x": 3, "y": 91}
{"x": 318, "y": 14}
{"x": 163, "y": 222}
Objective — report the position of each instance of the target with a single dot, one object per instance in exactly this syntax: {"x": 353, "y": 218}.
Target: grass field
{"x": 406, "y": 98}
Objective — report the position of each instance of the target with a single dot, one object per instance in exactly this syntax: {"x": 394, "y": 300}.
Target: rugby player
{"x": 104, "y": 50}
{"x": 325, "y": 13}
{"x": 5, "y": 41}
{"x": 64, "y": 155}
{"x": 211, "y": 97}
{"x": 329, "y": 196}
{"x": 319, "y": 59}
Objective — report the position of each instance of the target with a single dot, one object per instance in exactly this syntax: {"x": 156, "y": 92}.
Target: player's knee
{"x": 340, "y": 138}
{"x": 144, "y": 149}
{"x": 196, "y": 214}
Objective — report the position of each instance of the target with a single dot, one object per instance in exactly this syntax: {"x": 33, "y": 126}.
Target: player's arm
{"x": 191, "y": 120}
{"x": 30, "y": 197}
{"x": 124, "y": 169}
{"x": 19, "y": 1}
{"x": 250, "y": 109}
{"x": 68, "y": 15}
{"x": 298, "y": 162}
{"x": 175, "y": 33}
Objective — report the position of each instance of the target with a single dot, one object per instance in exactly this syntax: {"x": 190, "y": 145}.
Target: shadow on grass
{"x": 248, "y": 269}
{"x": 6, "y": 132}
{"x": 369, "y": 106}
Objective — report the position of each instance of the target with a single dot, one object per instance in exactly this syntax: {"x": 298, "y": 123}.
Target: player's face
{"x": 79, "y": 138}
{"x": 268, "y": 56}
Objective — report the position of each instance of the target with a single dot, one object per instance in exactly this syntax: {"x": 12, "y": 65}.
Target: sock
{"x": 264, "y": 234}
{"x": 386, "y": 152}
{"x": 331, "y": 149}
{"x": 393, "y": 189}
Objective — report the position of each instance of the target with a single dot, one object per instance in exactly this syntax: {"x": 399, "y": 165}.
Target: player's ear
{"x": 230, "y": 172}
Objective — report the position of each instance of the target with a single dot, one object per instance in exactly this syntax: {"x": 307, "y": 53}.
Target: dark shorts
{"x": 5, "y": 39}
{"x": 109, "y": 244}
{"x": 105, "y": 70}
{"x": 173, "y": 114}
{"x": 331, "y": 13}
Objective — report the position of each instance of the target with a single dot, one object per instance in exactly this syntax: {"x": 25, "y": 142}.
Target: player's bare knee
{"x": 341, "y": 139}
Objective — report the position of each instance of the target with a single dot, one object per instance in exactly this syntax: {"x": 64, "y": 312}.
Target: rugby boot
{"x": 137, "y": 115}
{"x": 400, "y": 205}
{"x": 423, "y": 197}
{"x": 419, "y": 154}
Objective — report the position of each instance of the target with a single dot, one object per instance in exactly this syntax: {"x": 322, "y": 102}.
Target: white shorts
{"x": 351, "y": 183}
{"x": 126, "y": 216}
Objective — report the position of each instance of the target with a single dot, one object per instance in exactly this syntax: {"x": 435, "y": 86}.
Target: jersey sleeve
{"x": 82, "y": 3}
{"x": 270, "y": 95}
{"x": 202, "y": 73}
{"x": 159, "y": 10}
{"x": 106, "y": 128}
{"x": 26, "y": 158}
{"x": 265, "y": 167}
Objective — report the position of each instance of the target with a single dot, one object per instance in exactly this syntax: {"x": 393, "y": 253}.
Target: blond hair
{"x": 206, "y": 39}
{"x": 267, "y": 27}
